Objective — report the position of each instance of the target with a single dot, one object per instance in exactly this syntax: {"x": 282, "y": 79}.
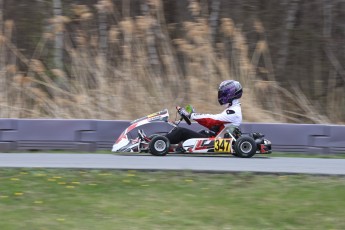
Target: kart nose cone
{"x": 120, "y": 144}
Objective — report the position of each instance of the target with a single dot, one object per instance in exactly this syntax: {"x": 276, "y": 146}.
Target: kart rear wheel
{"x": 245, "y": 147}
{"x": 159, "y": 146}
{"x": 153, "y": 135}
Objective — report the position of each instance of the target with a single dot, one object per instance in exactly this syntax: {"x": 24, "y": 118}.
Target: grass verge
{"x": 97, "y": 199}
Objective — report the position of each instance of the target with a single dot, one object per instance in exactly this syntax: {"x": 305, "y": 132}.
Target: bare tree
{"x": 2, "y": 53}
{"x": 58, "y": 54}
{"x": 290, "y": 19}
{"x": 102, "y": 21}
{"x": 1, "y": 15}
{"x": 214, "y": 18}
{"x": 327, "y": 29}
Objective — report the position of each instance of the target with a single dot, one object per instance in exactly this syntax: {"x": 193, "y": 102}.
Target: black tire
{"x": 235, "y": 154}
{"x": 159, "y": 146}
{"x": 245, "y": 147}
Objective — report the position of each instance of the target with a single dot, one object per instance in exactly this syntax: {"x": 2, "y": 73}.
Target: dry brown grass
{"x": 142, "y": 70}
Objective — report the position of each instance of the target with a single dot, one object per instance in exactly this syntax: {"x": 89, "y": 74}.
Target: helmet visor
{"x": 222, "y": 96}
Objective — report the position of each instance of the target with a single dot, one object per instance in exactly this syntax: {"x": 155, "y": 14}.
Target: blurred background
{"x": 122, "y": 59}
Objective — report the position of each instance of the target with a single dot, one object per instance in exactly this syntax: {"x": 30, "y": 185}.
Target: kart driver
{"x": 229, "y": 93}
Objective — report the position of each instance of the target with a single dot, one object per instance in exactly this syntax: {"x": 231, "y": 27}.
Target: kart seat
{"x": 208, "y": 133}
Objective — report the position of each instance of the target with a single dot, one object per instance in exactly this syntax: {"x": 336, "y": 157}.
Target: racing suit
{"x": 214, "y": 122}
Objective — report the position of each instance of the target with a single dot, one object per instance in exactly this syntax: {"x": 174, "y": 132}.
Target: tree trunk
{"x": 283, "y": 52}
{"x": 327, "y": 29}
{"x": 3, "y": 81}
{"x": 1, "y": 16}
{"x": 102, "y": 22}
{"x": 58, "y": 54}
{"x": 214, "y": 17}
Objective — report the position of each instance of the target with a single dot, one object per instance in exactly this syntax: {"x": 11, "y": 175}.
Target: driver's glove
{"x": 190, "y": 109}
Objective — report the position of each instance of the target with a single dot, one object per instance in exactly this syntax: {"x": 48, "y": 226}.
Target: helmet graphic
{"x": 229, "y": 90}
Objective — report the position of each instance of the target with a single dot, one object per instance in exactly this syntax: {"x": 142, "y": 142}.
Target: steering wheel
{"x": 183, "y": 116}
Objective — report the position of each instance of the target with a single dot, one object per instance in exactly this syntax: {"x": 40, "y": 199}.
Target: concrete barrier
{"x": 92, "y": 135}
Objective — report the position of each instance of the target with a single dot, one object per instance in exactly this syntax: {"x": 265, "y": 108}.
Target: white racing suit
{"x": 214, "y": 122}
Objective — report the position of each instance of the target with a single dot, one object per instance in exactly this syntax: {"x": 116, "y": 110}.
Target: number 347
{"x": 222, "y": 145}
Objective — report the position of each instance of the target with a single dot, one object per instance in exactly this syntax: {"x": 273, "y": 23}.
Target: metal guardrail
{"x": 92, "y": 135}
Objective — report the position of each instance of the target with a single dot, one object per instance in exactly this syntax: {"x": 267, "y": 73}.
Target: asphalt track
{"x": 275, "y": 165}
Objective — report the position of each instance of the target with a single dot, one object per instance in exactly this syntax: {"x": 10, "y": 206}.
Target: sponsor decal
{"x": 204, "y": 144}
{"x": 229, "y": 111}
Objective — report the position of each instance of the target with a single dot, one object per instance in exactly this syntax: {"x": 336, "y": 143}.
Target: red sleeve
{"x": 209, "y": 122}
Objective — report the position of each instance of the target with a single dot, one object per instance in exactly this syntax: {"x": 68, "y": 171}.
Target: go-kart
{"x": 229, "y": 140}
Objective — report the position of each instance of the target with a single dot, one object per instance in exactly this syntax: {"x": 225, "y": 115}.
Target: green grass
{"x": 96, "y": 199}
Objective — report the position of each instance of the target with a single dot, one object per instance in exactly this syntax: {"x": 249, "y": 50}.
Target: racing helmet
{"x": 228, "y": 91}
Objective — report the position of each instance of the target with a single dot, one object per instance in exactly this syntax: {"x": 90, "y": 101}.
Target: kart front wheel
{"x": 159, "y": 146}
{"x": 245, "y": 147}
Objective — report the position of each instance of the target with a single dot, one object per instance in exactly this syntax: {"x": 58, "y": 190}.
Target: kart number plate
{"x": 222, "y": 145}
